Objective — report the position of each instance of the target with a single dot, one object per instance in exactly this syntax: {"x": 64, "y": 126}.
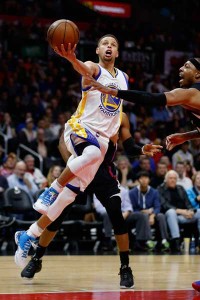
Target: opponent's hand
{"x": 151, "y": 150}
{"x": 173, "y": 140}
{"x": 95, "y": 85}
{"x": 68, "y": 53}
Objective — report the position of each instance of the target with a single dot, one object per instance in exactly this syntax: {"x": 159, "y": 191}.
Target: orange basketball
{"x": 63, "y": 32}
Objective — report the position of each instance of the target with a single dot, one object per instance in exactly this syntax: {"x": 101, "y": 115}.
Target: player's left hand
{"x": 151, "y": 150}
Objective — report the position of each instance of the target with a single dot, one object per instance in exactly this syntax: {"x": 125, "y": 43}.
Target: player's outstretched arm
{"x": 178, "y": 96}
{"x": 87, "y": 68}
{"x": 176, "y": 139}
{"x": 133, "y": 96}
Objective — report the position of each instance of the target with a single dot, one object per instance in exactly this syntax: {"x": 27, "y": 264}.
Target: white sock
{"x": 164, "y": 241}
{"x": 34, "y": 230}
{"x": 56, "y": 185}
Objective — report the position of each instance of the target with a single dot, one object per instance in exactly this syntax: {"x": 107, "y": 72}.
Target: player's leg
{"x": 24, "y": 239}
{"x": 113, "y": 208}
{"x": 84, "y": 167}
{"x": 35, "y": 264}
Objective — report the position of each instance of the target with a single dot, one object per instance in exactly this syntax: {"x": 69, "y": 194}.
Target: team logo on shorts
{"x": 109, "y": 102}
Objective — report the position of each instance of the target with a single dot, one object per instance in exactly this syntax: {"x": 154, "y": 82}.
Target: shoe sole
{"x": 42, "y": 211}
{"x": 30, "y": 278}
{"x": 16, "y": 238}
{"x": 126, "y": 287}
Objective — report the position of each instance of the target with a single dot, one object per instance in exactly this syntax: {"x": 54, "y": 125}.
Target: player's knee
{"x": 91, "y": 154}
{"x": 114, "y": 211}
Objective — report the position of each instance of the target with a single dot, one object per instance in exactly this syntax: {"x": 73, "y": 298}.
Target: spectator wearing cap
{"x": 146, "y": 199}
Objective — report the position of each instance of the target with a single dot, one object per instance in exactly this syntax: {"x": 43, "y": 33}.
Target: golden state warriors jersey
{"x": 100, "y": 112}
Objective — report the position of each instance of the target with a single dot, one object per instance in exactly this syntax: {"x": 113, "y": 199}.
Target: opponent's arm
{"x": 176, "y": 139}
{"x": 63, "y": 149}
{"x": 129, "y": 144}
{"x": 175, "y": 97}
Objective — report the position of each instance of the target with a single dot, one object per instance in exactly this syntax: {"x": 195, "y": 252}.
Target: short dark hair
{"x": 108, "y": 35}
{"x": 143, "y": 174}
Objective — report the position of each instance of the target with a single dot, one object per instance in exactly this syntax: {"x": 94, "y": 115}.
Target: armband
{"x": 131, "y": 148}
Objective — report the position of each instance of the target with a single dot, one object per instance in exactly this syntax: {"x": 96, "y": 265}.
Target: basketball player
{"x": 188, "y": 96}
{"x": 86, "y": 135}
{"x": 106, "y": 188}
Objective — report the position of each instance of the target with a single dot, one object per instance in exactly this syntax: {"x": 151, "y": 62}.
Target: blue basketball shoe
{"x": 45, "y": 200}
{"x": 24, "y": 243}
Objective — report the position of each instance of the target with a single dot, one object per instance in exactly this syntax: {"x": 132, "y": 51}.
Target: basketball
{"x": 63, "y": 32}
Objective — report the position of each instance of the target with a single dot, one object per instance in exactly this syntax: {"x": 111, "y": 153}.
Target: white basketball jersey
{"x": 99, "y": 112}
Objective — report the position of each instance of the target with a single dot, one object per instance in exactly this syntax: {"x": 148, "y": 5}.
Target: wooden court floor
{"x": 96, "y": 277}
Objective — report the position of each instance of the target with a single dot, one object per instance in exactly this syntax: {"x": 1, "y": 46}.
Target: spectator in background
{"x": 176, "y": 206}
{"x": 146, "y": 199}
{"x": 54, "y": 172}
{"x": 125, "y": 173}
{"x": 143, "y": 164}
{"x": 7, "y": 127}
{"x": 9, "y": 164}
{"x": 184, "y": 181}
{"x": 20, "y": 179}
{"x": 165, "y": 159}
{"x": 137, "y": 138}
{"x": 158, "y": 178}
{"x": 182, "y": 155}
{"x": 39, "y": 144}
{"x": 3, "y": 187}
{"x": 2, "y": 156}
{"x": 28, "y": 134}
{"x": 156, "y": 86}
{"x": 34, "y": 173}
{"x": 194, "y": 192}
{"x": 143, "y": 139}
{"x": 190, "y": 170}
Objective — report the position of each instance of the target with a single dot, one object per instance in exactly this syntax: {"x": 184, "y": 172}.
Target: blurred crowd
{"x": 39, "y": 91}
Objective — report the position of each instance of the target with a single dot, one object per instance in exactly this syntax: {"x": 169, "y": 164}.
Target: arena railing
{"x": 29, "y": 150}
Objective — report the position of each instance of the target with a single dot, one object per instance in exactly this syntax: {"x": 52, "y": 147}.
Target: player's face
{"x": 107, "y": 49}
{"x": 187, "y": 74}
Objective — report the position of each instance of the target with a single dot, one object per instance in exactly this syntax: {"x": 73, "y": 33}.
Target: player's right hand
{"x": 68, "y": 53}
